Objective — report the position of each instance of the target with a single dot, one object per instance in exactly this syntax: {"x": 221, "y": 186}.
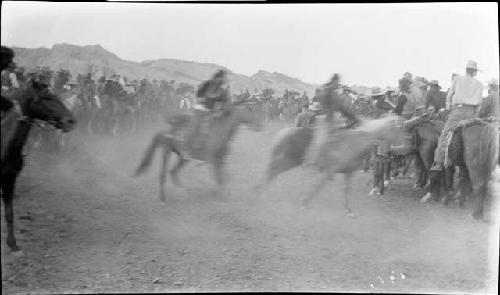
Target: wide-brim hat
{"x": 315, "y": 106}
{"x": 471, "y": 64}
{"x": 378, "y": 92}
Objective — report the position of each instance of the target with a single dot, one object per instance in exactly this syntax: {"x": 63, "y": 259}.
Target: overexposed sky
{"x": 369, "y": 44}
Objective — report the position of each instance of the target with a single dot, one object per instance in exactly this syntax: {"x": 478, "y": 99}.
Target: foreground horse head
{"x": 37, "y": 102}
{"x": 33, "y": 102}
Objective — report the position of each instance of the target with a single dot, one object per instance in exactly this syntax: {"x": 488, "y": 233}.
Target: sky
{"x": 368, "y": 44}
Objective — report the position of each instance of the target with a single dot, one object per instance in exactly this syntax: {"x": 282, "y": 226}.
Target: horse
{"x": 474, "y": 148}
{"x": 34, "y": 102}
{"x": 213, "y": 148}
{"x": 327, "y": 153}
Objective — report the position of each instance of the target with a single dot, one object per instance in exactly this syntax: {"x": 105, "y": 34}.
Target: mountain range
{"x": 97, "y": 60}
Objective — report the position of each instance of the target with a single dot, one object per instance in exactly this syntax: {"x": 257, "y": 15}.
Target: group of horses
{"x": 326, "y": 149}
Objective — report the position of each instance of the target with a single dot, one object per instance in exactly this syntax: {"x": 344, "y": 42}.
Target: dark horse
{"x": 213, "y": 148}
{"x": 329, "y": 154}
{"x": 35, "y": 102}
{"x": 474, "y": 149}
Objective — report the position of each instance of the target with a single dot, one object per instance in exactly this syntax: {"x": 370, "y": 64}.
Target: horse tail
{"x": 488, "y": 147}
{"x": 159, "y": 140}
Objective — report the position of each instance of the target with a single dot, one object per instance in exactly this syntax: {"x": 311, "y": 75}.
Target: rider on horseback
{"x": 489, "y": 109}
{"x": 212, "y": 100}
{"x": 6, "y": 63}
{"x": 331, "y": 102}
{"x": 464, "y": 96}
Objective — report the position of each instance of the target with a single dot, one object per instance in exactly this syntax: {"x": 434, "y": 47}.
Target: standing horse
{"x": 475, "y": 150}
{"x": 213, "y": 149}
{"x": 35, "y": 102}
{"x": 340, "y": 154}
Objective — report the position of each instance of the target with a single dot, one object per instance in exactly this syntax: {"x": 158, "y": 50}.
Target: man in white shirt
{"x": 464, "y": 96}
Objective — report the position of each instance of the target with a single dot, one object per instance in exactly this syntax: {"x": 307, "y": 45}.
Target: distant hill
{"x": 99, "y": 61}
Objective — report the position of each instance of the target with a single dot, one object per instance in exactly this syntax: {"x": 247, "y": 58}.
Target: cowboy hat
{"x": 434, "y": 82}
{"x": 472, "y": 65}
{"x": 315, "y": 106}
{"x": 408, "y": 76}
{"x": 377, "y": 92}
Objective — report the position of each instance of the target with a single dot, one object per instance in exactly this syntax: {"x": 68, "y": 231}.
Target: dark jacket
{"x": 435, "y": 98}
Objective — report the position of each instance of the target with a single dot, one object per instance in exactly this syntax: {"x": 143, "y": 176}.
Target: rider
{"x": 434, "y": 96}
{"x": 489, "y": 109}
{"x": 6, "y": 64}
{"x": 212, "y": 100}
{"x": 331, "y": 102}
{"x": 464, "y": 96}
{"x": 407, "y": 101}
{"x": 308, "y": 114}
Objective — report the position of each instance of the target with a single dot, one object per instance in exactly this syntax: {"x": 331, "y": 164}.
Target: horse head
{"x": 37, "y": 102}
{"x": 388, "y": 127}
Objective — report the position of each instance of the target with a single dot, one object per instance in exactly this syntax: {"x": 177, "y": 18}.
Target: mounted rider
{"x": 490, "y": 109}
{"x": 463, "y": 98}
{"x": 435, "y": 97}
{"x": 7, "y": 63}
{"x": 308, "y": 114}
{"x": 331, "y": 102}
{"x": 212, "y": 100}
{"x": 406, "y": 106}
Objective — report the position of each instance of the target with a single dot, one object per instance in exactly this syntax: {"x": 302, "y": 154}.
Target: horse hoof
{"x": 425, "y": 198}
{"x": 351, "y": 215}
{"x": 373, "y": 192}
{"x": 477, "y": 216}
{"x": 14, "y": 248}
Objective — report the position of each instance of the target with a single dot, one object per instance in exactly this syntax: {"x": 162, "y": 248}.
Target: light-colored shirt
{"x": 464, "y": 90}
{"x": 418, "y": 95}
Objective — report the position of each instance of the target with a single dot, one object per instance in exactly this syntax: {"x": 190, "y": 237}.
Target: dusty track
{"x": 85, "y": 226}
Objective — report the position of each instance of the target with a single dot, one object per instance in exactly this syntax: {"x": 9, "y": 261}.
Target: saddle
{"x": 454, "y": 143}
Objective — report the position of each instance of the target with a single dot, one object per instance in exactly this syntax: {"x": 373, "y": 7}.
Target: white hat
{"x": 472, "y": 65}
{"x": 493, "y": 81}
{"x": 376, "y": 91}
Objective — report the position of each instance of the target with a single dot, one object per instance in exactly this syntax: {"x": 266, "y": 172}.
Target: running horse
{"x": 474, "y": 147}
{"x": 213, "y": 147}
{"x": 34, "y": 102}
{"x": 328, "y": 153}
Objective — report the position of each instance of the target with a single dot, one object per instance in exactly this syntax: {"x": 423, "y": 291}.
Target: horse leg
{"x": 163, "y": 172}
{"x": 347, "y": 192}
{"x": 479, "y": 195}
{"x": 376, "y": 178}
{"x": 325, "y": 177}
{"x": 409, "y": 161}
{"x": 8, "y": 185}
{"x": 387, "y": 173}
{"x": 276, "y": 167}
{"x": 464, "y": 186}
{"x": 218, "y": 170}
{"x": 448, "y": 184}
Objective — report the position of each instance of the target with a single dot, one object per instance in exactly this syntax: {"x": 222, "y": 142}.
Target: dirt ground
{"x": 86, "y": 226}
